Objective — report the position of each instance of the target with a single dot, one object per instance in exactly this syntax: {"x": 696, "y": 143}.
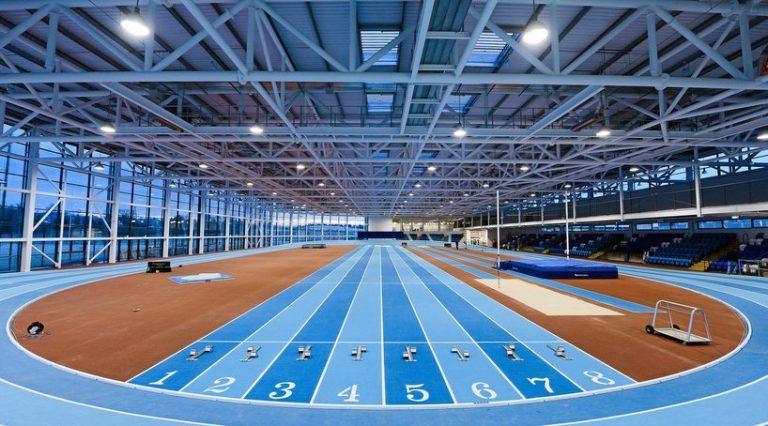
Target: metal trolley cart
{"x": 670, "y": 311}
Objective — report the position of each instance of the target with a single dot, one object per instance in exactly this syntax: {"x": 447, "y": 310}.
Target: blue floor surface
{"x": 386, "y": 299}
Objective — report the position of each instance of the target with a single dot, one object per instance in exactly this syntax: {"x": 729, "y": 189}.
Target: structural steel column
{"x": 203, "y": 207}
{"x": 166, "y": 218}
{"x": 114, "y": 248}
{"x": 227, "y": 221}
{"x": 28, "y": 221}
{"x": 697, "y": 181}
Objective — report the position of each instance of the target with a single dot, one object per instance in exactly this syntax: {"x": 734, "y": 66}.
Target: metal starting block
{"x": 408, "y": 354}
{"x": 560, "y": 352}
{"x": 305, "y": 352}
{"x": 463, "y": 355}
{"x": 194, "y": 354}
{"x": 251, "y": 353}
{"x": 511, "y": 351}
{"x": 357, "y": 353}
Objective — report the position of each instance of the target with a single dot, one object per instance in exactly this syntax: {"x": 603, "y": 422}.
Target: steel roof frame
{"x": 664, "y": 113}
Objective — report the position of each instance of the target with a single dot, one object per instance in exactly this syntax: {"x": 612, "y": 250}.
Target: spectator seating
{"x": 370, "y": 235}
{"x": 755, "y": 249}
{"x": 686, "y": 251}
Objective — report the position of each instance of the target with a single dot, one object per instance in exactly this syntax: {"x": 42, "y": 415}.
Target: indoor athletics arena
{"x": 383, "y": 212}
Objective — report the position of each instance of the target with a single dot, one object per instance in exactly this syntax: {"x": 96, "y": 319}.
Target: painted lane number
{"x": 483, "y": 391}
{"x": 599, "y": 378}
{"x": 166, "y": 377}
{"x": 350, "y": 394}
{"x": 221, "y": 385}
{"x": 415, "y": 393}
{"x": 544, "y": 380}
{"x": 285, "y": 389}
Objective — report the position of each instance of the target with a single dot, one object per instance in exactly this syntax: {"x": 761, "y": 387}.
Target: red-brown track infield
{"x": 619, "y": 341}
{"x": 97, "y": 328}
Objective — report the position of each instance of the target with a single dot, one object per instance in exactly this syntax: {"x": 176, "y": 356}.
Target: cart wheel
{"x": 676, "y": 327}
{"x": 649, "y": 329}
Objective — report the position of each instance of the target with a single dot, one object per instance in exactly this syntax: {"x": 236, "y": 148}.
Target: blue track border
{"x": 709, "y": 390}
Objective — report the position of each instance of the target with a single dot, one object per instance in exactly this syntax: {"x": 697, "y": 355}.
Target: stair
{"x": 597, "y": 254}
{"x": 703, "y": 264}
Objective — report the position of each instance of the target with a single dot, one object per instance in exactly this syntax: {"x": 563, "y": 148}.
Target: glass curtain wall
{"x": 85, "y": 212}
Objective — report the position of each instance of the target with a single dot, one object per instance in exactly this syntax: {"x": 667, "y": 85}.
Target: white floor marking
{"x": 343, "y": 323}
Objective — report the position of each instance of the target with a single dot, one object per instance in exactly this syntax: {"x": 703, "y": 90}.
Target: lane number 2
{"x": 285, "y": 389}
{"x": 221, "y": 385}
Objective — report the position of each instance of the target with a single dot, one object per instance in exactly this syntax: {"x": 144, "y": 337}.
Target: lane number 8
{"x": 599, "y": 378}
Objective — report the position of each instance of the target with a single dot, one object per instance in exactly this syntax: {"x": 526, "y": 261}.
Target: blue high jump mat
{"x": 561, "y": 268}
{"x": 200, "y": 278}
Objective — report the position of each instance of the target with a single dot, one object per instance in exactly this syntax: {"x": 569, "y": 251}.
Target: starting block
{"x": 408, "y": 354}
{"x": 463, "y": 355}
{"x": 251, "y": 353}
{"x": 305, "y": 352}
{"x": 560, "y": 352}
{"x": 357, "y": 353}
{"x": 511, "y": 351}
{"x": 194, "y": 354}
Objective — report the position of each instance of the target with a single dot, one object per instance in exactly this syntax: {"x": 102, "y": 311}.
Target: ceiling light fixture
{"x": 634, "y": 169}
{"x": 256, "y": 129}
{"x": 486, "y": 185}
{"x": 603, "y": 133}
{"x": 535, "y": 33}
{"x": 203, "y": 166}
{"x": 134, "y": 23}
{"x": 763, "y": 136}
{"x": 249, "y": 184}
{"x": 433, "y": 168}
{"x": 459, "y": 132}
{"x": 300, "y": 166}
{"x": 99, "y": 167}
{"x": 524, "y": 168}
{"x": 418, "y": 185}
{"x": 568, "y": 186}
{"x": 107, "y": 128}
{"x": 321, "y": 184}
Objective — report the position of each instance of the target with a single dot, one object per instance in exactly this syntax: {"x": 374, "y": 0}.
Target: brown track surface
{"x": 94, "y": 328}
{"x": 621, "y": 342}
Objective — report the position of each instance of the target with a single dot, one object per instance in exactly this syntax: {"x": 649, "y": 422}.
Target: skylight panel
{"x": 371, "y": 41}
{"x": 380, "y": 102}
{"x": 487, "y": 51}
{"x": 460, "y": 104}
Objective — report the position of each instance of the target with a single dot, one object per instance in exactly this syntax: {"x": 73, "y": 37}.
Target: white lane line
{"x": 381, "y": 329}
{"x": 523, "y": 318}
{"x": 434, "y": 354}
{"x": 353, "y": 260}
{"x": 511, "y": 334}
{"x": 96, "y": 407}
{"x": 338, "y": 335}
{"x": 312, "y": 314}
{"x": 350, "y": 255}
{"x": 472, "y": 341}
